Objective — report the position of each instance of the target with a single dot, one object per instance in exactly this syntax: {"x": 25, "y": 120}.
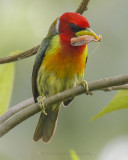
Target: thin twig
{"x": 82, "y": 7}
{"x": 121, "y": 87}
{"x": 20, "y": 56}
{"x": 33, "y": 109}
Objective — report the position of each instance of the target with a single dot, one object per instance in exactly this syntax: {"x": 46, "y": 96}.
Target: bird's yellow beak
{"x": 89, "y": 32}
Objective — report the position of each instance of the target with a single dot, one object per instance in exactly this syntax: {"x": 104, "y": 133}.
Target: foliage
{"x": 6, "y": 84}
{"x": 120, "y": 101}
{"x": 74, "y": 155}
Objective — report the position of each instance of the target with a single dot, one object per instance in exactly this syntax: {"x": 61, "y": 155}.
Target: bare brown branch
{"x": 121, "y": 87}
{"x": 27, "y": 112}
{"x": 82, "y": 7}
{"x": 16, "y": 109}
{"x": 20, "y": 56}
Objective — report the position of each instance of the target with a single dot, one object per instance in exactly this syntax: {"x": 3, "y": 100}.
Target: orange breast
{"x": 65, "y": 62}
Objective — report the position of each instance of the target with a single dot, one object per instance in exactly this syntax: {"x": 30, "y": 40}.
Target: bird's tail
{"x": 47, "y": 124}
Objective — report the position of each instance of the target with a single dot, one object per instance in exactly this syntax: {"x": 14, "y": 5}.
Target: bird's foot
{"x": 40, "y": 100}
{"x": 85, "y": 85}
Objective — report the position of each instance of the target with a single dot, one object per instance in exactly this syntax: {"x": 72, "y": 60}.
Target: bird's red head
{"x": 70, "y": 23}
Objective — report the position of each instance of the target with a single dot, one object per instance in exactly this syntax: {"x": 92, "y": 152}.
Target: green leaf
{"x": 120, "y": 101}
{"x": 6, "y": 84}
{"x": 74, "y": 155}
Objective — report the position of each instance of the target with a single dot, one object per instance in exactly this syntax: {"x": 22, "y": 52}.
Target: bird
{"x": 59, "y": 65}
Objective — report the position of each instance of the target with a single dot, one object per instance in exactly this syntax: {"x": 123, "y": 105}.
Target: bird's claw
{"x": 85, "y": 85}
{"x": 40, "y": 100}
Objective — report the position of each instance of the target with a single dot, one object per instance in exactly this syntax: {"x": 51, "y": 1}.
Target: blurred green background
{"x": 23, "y": 24}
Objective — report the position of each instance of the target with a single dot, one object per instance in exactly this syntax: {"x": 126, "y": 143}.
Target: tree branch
{"x": 29, "y": 111}
{"x": 20, "y": 56}
{"x": 30, "y": 101}
{"x": 121, "y": 87}
{"x": 16, "y": 109}
{"x": 82, "y": 7}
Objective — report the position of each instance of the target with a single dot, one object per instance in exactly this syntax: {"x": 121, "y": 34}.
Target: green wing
{"x": 38, "y": 61}
{"x": 40, "y": 55}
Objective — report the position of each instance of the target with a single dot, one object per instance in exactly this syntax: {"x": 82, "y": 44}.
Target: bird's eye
{"x": 75, "y": 28}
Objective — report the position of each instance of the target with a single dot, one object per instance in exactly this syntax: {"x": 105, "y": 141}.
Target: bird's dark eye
{"x": 75, "y": 28}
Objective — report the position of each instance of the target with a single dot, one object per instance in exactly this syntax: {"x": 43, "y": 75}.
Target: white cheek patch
{"x": 57, "y": 25}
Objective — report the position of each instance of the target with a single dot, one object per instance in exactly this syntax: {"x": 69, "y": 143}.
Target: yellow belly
{"x": 50, "y": 84}
{"x": 60, "y": 71}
